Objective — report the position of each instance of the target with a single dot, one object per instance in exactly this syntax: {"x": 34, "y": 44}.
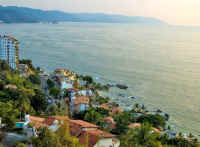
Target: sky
{"x": 178, "y": 12}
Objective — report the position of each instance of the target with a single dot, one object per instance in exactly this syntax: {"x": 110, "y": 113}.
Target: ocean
{"x": 160, "y": 64}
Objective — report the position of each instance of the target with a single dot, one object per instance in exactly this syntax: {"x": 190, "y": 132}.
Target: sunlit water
{"x": 161, "y": 65}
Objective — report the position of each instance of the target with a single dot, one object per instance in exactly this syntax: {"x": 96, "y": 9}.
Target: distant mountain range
{"x": 12, "y": 14}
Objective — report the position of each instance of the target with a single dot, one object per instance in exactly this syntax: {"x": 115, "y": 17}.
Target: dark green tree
{"x": 50, "y": 83}
{"x": 55, "y": 92}
{"x": 38, "y": 101}
{"x": 35, "y": 79}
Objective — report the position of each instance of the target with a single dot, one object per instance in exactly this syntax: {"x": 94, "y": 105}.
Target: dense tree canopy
{"x": 155, "y": 120}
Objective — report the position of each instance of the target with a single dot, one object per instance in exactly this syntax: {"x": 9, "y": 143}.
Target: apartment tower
{"x": 9, "y": 51}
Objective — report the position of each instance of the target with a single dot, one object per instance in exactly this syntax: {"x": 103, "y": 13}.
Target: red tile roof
{"x": 44, "y": 122}
{"x": 76, "y": 128}
{"x": 83, "y": 124}
{"x": 37, "y": 121}
{"x": 93, "y": 136}
{"x": 61, "y": 118}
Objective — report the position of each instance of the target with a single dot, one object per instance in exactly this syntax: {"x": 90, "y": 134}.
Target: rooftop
{"x": 81, "y": 100}
{"x": 93, "y": 136}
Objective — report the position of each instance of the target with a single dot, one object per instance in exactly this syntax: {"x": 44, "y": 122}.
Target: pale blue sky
{"x": 179, "y": 12}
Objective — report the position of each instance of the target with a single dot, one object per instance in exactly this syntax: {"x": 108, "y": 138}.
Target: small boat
{"x": 132, "y": 97}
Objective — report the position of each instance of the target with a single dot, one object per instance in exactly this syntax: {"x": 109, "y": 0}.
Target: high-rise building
{"x": 9, "y": 50}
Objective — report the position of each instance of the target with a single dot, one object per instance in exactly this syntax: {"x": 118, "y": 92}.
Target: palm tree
{"x": 142, "y": 136}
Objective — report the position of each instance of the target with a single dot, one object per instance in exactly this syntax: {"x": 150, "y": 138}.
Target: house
{"x": 73, "y": 91}
{"x": 44, "y": 73}
{"x": 65, "y": 85}
{"x": 66, "y": 73}
{"x": 96, "y": 137}
{"x": 79, "y": 104}
{"x": 99, "y": 138}
{"x": 78, "y": 128}
{"x": 23, "y": 68}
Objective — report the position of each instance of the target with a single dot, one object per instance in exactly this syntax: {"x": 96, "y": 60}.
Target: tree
{"x": 88, "y": 79}
{"x": 63, "y": 134}
{"x": 155, "y": 120}
{"x": 27, "y": 62}
{"x": 38, "y": 101}
{"x": 65, "y": 137}
{"x": 8, "y": 113}
{"x": 4, "y": 65}
{"x": 122, "y": 122}
{"x": 140, "y": 137}
{"x": 46, "y": 138}
{"x": 94, "y": 117}
{"x": 35, "y": 79}
{"x": 23, "y": 103}
{"x": 50, "y": 83}
{"x": 55, "y": 92}
{"x": 20, "y": 145}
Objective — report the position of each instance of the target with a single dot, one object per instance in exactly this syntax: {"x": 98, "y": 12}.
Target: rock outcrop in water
{"x": 121, "y": 86}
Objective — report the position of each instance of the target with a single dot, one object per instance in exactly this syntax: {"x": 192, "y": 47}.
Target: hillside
{"x": 12, "y": 14}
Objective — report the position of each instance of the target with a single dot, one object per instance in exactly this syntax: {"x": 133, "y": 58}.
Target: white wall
{"x": 106, "y": 142}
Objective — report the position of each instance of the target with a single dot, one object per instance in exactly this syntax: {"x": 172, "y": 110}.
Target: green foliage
{"x": 122, "y": 122}
{"x": 25, "y": 98}
{"x": 38, "y": 101}
{"x": 141, "y": 137}
{"x": 50, "y": 83}
{"x": 94, "y": 117}
{"x": 35, "y": 79}
{"x": 155, "y": 120}
{"x": 137, "y": 108}
{"x": 46, "y": 139}
{"x": 88, "y": 79}
{"x": 100, "y": 87}
{"x": 181, "y": 142}
{"x": 61, "y": 138}
{"x": 8, "y": 113}
{"x": 55, "y": 92}
{"x": 27, "y": 62}
{"x": 101, "y": 100}
{"x": 20, "y": 145}
{"x": 102, "y": 111}
{"x": 4, "y": 66}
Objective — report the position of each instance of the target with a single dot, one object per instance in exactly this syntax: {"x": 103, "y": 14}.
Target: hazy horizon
{"x": 176, "y": 12}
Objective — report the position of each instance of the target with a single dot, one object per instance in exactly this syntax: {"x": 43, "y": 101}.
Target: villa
{"x": 78, "y": 128}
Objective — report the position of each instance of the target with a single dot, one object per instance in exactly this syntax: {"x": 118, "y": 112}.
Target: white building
{"x": 9, "y": 50}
